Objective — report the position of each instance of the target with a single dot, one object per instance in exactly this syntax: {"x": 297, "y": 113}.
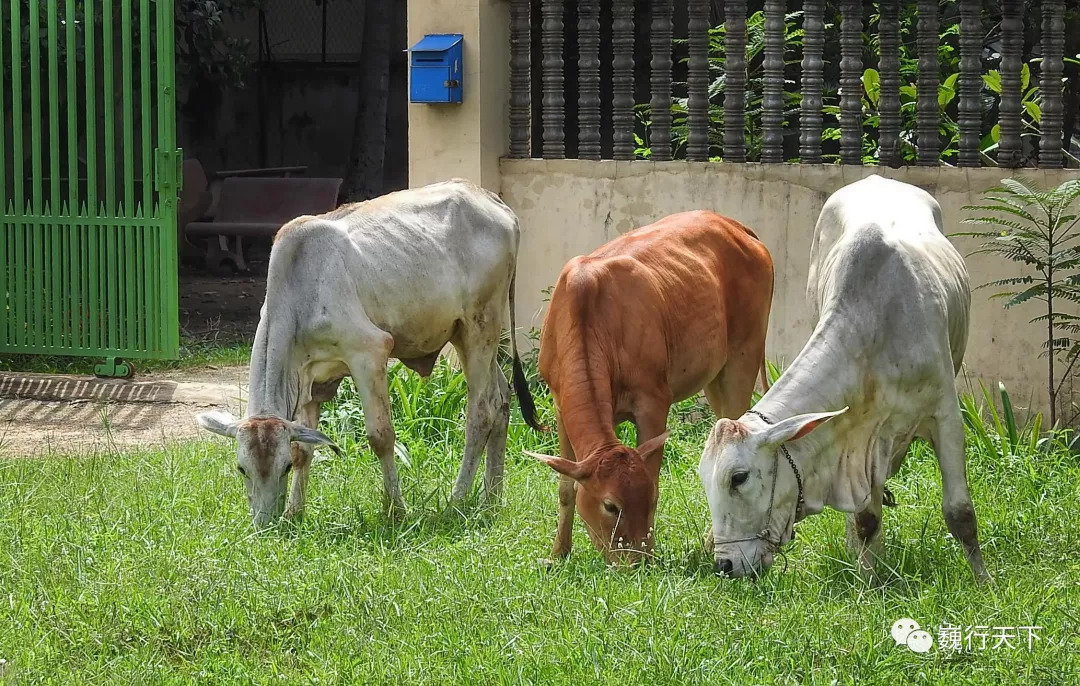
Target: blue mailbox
{"x": 436, "y": 69}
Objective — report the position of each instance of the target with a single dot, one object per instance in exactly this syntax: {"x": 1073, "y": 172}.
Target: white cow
{"x": 398, "y": 276}
{"x": 891, "y": 298}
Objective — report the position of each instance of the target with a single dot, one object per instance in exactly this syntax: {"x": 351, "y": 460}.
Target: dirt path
{"x": 63, "y": 415}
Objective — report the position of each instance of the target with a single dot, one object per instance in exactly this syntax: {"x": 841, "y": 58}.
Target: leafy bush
{"x": 1036, "y": 228}
{"x": 997, "y": 434}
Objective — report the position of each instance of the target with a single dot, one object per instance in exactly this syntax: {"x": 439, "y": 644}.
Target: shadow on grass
{"x": 904, "y": 571}
{"x": 417, "y": 527}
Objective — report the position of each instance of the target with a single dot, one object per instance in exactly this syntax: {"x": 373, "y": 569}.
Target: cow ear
{"x": 218, "y": 422}
{"x": 652, "y": 451}
{"x": 796, "y": 427}
{"x": 303, "y": 434}
{"x": 577, "y": 471}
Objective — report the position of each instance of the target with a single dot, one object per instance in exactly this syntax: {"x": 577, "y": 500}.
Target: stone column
{"x": 466, "y": 140}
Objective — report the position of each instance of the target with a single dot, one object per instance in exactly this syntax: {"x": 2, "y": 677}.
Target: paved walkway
{"x": 43, "y": 414}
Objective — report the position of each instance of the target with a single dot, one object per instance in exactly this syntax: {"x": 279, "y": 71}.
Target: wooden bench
{"x": 252, "y": 207}
{"x": 220, "y": 176}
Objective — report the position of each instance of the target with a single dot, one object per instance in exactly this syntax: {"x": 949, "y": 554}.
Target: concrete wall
{"x": 569, "y": 207}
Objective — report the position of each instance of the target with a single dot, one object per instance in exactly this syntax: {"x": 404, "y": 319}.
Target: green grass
{"x": 141, "y": 568}
{"x": 193, "y": 354}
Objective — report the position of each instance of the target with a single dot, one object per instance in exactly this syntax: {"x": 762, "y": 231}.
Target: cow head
{"x": 737, "y": 469}
{"x": 264, "y": 456}
{"x": 616, "y": 492}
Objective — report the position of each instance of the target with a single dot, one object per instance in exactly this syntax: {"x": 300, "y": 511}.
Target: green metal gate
{"x": 89, "y": 173}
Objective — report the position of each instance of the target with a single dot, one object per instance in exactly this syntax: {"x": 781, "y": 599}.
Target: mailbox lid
{"x": 442, "y": 49}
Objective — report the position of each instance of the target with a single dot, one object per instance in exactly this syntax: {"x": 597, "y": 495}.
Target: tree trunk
{"x": 1052, "y": 351}
{"x": 364, "y": 177}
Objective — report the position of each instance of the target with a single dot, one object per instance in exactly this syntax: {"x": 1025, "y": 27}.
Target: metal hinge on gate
{"x": 168, "y": 169}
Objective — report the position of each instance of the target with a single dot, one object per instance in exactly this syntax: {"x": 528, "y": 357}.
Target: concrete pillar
{"x": 466, "y": 140}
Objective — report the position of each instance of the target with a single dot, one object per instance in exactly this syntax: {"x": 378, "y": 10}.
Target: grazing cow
{"x": 646, "y": 320}
{"x": 891, "y": 298}
{"x": 398, "y": 276}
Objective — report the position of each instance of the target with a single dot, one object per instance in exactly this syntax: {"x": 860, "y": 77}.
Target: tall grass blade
{"x": 1010, "y": 418}
{"x": 973, "y": 418}
{"x": 991, "y": 408}
{"x": 1035, "y": 431}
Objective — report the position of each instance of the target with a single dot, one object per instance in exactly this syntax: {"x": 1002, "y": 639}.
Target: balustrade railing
{"x": 927, "y": 82}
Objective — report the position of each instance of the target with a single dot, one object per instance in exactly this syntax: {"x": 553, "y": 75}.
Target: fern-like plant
{"x": 1036, "y": 228}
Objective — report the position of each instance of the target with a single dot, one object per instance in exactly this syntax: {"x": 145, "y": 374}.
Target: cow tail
{"x": 521, "y": 384}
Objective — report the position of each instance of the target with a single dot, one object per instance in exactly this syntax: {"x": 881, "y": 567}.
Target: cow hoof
{"x": 546, "y": 563}
{"x": 887, "y": 498}
{"x": 870, "y": 577}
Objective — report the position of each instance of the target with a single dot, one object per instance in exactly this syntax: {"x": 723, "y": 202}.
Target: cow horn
{"x": 540, "y": 456}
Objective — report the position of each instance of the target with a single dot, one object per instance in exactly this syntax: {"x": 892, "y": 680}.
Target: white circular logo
{"x": 920, "y": 641}
{"x": 901, "y": 628}
{"x": 907, "y": 632}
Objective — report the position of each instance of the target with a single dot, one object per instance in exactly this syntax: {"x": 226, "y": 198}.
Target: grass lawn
{"x": 141, "y": 568}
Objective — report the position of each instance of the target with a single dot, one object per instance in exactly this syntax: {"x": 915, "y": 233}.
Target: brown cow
{"x": 646, "y": 320}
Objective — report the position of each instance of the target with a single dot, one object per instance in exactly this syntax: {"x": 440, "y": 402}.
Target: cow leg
{"x": 477, "y": 350}
{"x": 301, "y": 459}
{"x": 651, "y": 421}
{"x": 730, "y": 393}
{"x": 947, "y": 435}
{"x": 564, "y": 535}
{"x": 303, "y": 452}
{"x": 864, "y": 534}
{"x": 495, "y": 453}
{"x": 369, "y": 375}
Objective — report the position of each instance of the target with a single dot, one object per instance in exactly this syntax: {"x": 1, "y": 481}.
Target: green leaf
{"x": 1026, "y": 190}
{"x": 992, "y": 80}
{"x": 1008, "y": 208}
{"x": 872, "y": 85}
{"x": 1025, "y": 76}
{"x": 995, "y": 133}
{"x": 1025, "y": 295}
{"x": 1010, "y": 418}
{"x": 1033, "y": 110}
{"x": 973, "y": 418}
{"x": 1011, "y": 281}
{"x": 997, "y": 221}
{"x": 992, "y": 408}
{"x": 947, "y": 90}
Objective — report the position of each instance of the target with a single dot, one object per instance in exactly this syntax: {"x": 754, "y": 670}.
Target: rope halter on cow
{"x": 765, "y": 534}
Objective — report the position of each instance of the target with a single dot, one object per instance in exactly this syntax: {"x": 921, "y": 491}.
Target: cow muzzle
{"x": 624, "y": 553}
{"x": 266, "y": 511}
{"x": 742, "y": 561}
